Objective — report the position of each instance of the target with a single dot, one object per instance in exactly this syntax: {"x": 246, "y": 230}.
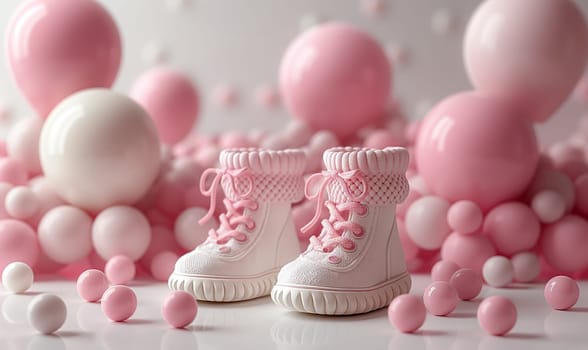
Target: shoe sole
{"x": 223, "y": 290}
{"x": 340, "y": 302}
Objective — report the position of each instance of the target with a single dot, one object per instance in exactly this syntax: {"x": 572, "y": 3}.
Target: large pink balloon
{"x": 534, "y": 50}
{"x": 171, "y": 99}
{"x": 58, "y": 47}
{"x": 475, "y": 146}
{"x": 336, "y": 77}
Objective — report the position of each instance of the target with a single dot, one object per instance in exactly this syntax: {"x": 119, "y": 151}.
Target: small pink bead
{"x": 91, "y": 285}
{"x": 179, "y": 309}
{"x": 549, "y": 206}
{"x": 12, "y": 171}
{"x": 527, "y": 267}
{"x": 443, "y": 270}
{"x": 505, "y": 219}
{"x": 564, "y": 244}
{"x": 497, "y": 315}
{"x": 561, "y": 292}
{"x": 18, "y": 242}
{"x": 119, "y": 303}
{"x": 163, "y": 264}
{"x": 467, "y": 250}
{"x": 440, "y": 298}
{"x": 21, "y": 203}
{"x": 120, "y": 269}
{"x": 407, "y": 313}
{"x": 467, "y": 283}
{"x": 464, "y": 217}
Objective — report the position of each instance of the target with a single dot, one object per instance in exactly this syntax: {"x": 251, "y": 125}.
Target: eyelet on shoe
{"x": 364, "y": 212}
{"x": 334, "y": 259}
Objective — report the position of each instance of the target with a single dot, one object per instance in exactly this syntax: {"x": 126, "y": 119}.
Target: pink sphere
{"x": 65, "y": 234}
{"x": 526, "y": 266}
{"x": 162, "y": 239}
{"x": 440, "y": 298}
{"x": 513, "y": 227}
{"x": 119, "y": 303}
{"x": 426, "y": 222}
{"x": 21, "y": 203}
{"x": 550, "y": 206}
{"x": 121, "y": 230}
{"x": 163, "y": 264}
{"x": 407, "y": 313}
{"x": 581, "y": 187}
{"x": 464, "y": 217}
{"x": 497, "y": 315}
{"x": 120, "y": 269}
{"x": 467, "y": 282}
{"x": 467, "y": 250}
{"x": 523, "y": 54}
{"x": 561, "y": 292}
{"x": 473, "y": 146}
{"x": 336, "y": 77}
{"x": 12, "y": 171}
{"x": 18, "y": 242}
{"x": 443, "y": 270}
{"x": 172, "y": 101}
{"x": 91, "y": 285}
{"x": 22, "y": 143}
{"x": 565, "y": 243}
{"x": 179, "y": 309}
{"x": 55, "y": 49}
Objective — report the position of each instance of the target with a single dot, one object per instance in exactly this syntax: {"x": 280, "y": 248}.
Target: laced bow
{"x": 235, "y": 208}
{"x": 337, "y": 223}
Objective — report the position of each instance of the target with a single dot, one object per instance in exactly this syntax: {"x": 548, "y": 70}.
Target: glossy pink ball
{"x": 163, "y": 264}
{"x": 440, "y": 298}
{"x": 171, "y": 99}
{"x": 561, "y": 292}
{"x": 473, "y": 146}
{"x": 119, "y": 303}
{"x": 91, "y": 285}
{"x": 407, "y": 313}
{"x": 443, "y": 270}
{"x": 108, "y": 154}
{"x": 18, "y": 242}
{"x": 179, "y": 309}
{"x": 336, "y": 77}
{"x": 497, "y": 315}
{"x": 464, "y": 217}
{"x": 523, "y": 55}
{"x": 121, "y": 230}
{"x": 65, "y": 234}
{"x": 513, "y": 227}
{"x": 565, "y": 243}
{"x": 549, "y": 206}
{"x": 467, "y": 250}
{"x": 467, "y": 282}
{"x": 55, "y": 49}
{"x": 120, "y": 269}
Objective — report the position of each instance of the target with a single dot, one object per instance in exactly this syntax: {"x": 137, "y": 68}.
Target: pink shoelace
{"x": 235, "y": 209}
{"x": 337, "y": 223}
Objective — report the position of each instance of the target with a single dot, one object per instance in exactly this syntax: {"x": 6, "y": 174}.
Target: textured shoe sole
{"x": 336, "y": 302}
{"x": 223, "y": 290}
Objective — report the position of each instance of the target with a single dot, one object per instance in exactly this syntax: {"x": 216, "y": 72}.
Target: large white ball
{"x": 99, "y": 148}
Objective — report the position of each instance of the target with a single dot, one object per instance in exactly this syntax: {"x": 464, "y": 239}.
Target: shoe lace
{"x": 235, "y": 209}
{"x": 337, "y": 223}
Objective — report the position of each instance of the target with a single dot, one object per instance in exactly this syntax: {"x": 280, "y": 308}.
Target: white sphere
{"x": 99, "y": 148}
{"x": 498, "y": 271}
{"x": 527, "y": 267}
{"x": 17, "y": 277}
{"x": 47, "y": 313}
{"x": 426, "y": 222}
{"x": 188, "y": 232}
{"x": 22, "y": 143}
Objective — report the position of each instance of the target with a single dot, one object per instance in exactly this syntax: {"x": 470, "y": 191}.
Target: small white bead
{"x": 47, "y": 313}
{"x": 17, "y": 277}
{"x": 498, "y": 271}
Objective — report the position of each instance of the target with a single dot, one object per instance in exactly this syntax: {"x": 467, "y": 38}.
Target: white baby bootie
{"x": 256, "y": 237}
{"x": 356, "y": 264}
